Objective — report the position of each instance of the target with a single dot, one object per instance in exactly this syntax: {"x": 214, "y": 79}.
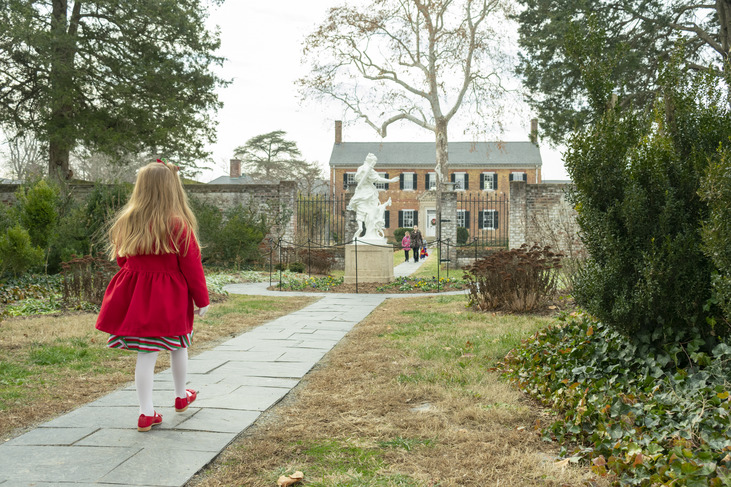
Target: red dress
{"x": 153, "y": 295}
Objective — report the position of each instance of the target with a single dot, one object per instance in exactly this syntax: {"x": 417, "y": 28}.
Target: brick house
{"x": 479, "y": 170}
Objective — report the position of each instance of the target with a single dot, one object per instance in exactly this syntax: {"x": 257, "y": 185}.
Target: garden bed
{"x": 401, "y": 285}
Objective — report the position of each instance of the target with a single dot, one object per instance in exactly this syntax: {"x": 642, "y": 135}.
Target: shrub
{"x": 85, "y": 279}
{"x": 238, "y": 241}
{"x": 319, "y": 261}
{"x": 17, "y": 253}
{"x": 38, "y": 211}
{"x": 716, "y": 190}
{"x": 517, "y": 280}
{"x": 462, "y": 235}
{"x": 636, "y": 179}
{"x": 210, "y": 221}
{"x": 297, "y": 267}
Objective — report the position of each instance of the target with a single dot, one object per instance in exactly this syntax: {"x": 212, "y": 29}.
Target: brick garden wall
{"x": 541, "y": 213}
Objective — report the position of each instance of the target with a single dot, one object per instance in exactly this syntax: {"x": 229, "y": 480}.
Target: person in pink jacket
{"x": 406, "y": 245}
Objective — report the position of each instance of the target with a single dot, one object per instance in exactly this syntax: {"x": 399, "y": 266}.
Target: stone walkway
{"x": 98, "y": 444}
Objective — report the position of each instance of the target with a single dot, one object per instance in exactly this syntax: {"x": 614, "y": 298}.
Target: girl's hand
{"x": 201, "y": 311}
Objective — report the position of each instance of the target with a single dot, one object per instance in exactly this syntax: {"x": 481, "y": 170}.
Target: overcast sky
{"x": 262, "y": 42}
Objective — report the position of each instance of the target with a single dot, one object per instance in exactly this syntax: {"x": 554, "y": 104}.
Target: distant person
{"x": 149, "y": 304}
{"x": 416, "y": 242}
{"x": 406, "y": 245}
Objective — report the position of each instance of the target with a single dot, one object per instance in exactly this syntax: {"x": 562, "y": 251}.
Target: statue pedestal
{"x": 375, "y": 264}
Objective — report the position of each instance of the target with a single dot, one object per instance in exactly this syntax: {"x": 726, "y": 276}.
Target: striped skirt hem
{"x": 150, "y": 344}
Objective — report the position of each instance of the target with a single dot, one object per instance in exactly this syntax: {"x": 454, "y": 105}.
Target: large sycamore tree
{"x": 419, "y": 61}
{"x": 563, "y": 40}
{"x": 113, "y": 77}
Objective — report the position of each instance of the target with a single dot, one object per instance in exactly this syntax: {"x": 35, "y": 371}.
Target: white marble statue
{"x": 368, "y": 210}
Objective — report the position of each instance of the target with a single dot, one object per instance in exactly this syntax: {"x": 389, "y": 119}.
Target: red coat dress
{"x": 153, "y": 295}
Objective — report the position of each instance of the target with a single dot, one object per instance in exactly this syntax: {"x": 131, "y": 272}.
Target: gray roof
{"x": 423, "y": 154}
{"x": 244, "y": 179}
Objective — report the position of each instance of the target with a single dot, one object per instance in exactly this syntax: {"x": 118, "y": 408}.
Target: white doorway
{"x": 431, "y": 223}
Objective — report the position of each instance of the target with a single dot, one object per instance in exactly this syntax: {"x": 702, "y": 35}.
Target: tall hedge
{"x": 637, "y": 179}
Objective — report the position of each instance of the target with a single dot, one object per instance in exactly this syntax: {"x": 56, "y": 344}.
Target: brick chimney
{"x": 235, "y": 171}
{"x": 338, "y": 132}
{"x": 534, "y": 130}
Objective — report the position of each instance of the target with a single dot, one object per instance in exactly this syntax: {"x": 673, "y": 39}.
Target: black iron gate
{"x": 483, "y": 219}
{"x": 320, "y": 219}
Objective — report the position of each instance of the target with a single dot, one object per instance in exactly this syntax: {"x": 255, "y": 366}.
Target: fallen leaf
{"x": 552, "y": 307}
{"x": 286, "y": 481}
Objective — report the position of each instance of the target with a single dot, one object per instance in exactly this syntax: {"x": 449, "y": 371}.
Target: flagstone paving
{"x": 98, "y": 443}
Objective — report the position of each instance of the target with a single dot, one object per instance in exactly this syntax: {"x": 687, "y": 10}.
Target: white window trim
{"x": 492, "y": 220}
{"x": 403, "y": 213}
{"x": 408, "y": 176}
{"x": 522, "y": 174}
{"x": 463, "y": 219}
{"x": 459, "y": 175}
{"x": 381, "y": 186}
{"x": 432, "y": 181}
{"x": 350, "y": 178}
{"x": 492, "y": 181}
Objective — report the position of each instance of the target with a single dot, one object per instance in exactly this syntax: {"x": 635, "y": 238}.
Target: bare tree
{"x": 97, "y": 167}
{"x": 413, "y": 60}
{"x": 25, "y": 155}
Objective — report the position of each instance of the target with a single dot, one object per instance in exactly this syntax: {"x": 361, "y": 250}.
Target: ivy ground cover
{"x": 644, "y": 412}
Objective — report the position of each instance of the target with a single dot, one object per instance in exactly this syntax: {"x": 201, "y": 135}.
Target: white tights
{"x": 145, "y": 376}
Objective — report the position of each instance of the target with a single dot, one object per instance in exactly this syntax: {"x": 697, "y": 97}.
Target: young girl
{"x": 149, "y": 304}
{"x": 423, "y": 254}
{"x": 406, "y": 245}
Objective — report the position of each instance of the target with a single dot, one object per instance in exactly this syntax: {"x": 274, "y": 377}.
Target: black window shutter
{"x": 387, "y": 217}
{"x": 525, "y": 177}
{"x": 400, "y": 218}
{"x": 401, "y": 181}
{"x": 426, "y": 181}
{"x": 345, "y": 180}
{"x": 510, "y": 178}
{"x": 482, "y": 181}
{"x": 494, "y": 181}
{"x": 416, "y": 218}
{"x": 494, "y": 220}
{"x": 415, "y": 182}
{"x": 453, "y": 177}
{"x": 467, "y": 219}
{"x": 480, "y": 220}
{"x": 386, "y": 176}
{"x": 466, "y": 181}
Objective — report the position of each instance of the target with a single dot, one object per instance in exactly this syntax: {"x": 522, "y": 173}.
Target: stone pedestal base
{"x": 375, "y": 264}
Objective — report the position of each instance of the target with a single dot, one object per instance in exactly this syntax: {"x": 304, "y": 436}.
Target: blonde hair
{"x": 156, "y": 216}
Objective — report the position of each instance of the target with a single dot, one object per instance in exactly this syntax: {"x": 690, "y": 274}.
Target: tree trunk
{"x": 60, "y": 123}
{"x": 723, "y": 7}
{"x": 442, "y": 168}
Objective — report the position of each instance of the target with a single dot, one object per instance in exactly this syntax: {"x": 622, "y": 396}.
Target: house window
{"x": 348, "y": 180}
{"x": 431, "y": 180}
{"x": 382, "y": 185}
{"x": 408, "y": 218}
{"x": 488, "y": 181}
{"x": 488, "y": 220}
{"x": 518, "y": 176}
{"x": 463, "y": 218}
{"x": 461, "y": 181}
{"x": 408, "y": 181}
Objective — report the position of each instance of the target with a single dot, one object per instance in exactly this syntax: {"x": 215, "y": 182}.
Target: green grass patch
{"x": 340, "y": 463}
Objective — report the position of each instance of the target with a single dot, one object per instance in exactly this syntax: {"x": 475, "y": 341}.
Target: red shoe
{"x": 145, "y": 423}
{"x": 182, "y": 403}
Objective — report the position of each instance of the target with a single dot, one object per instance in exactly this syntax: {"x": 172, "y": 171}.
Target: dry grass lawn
{"x": 408, "y": 398}
{"x": 54, "y": 363}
